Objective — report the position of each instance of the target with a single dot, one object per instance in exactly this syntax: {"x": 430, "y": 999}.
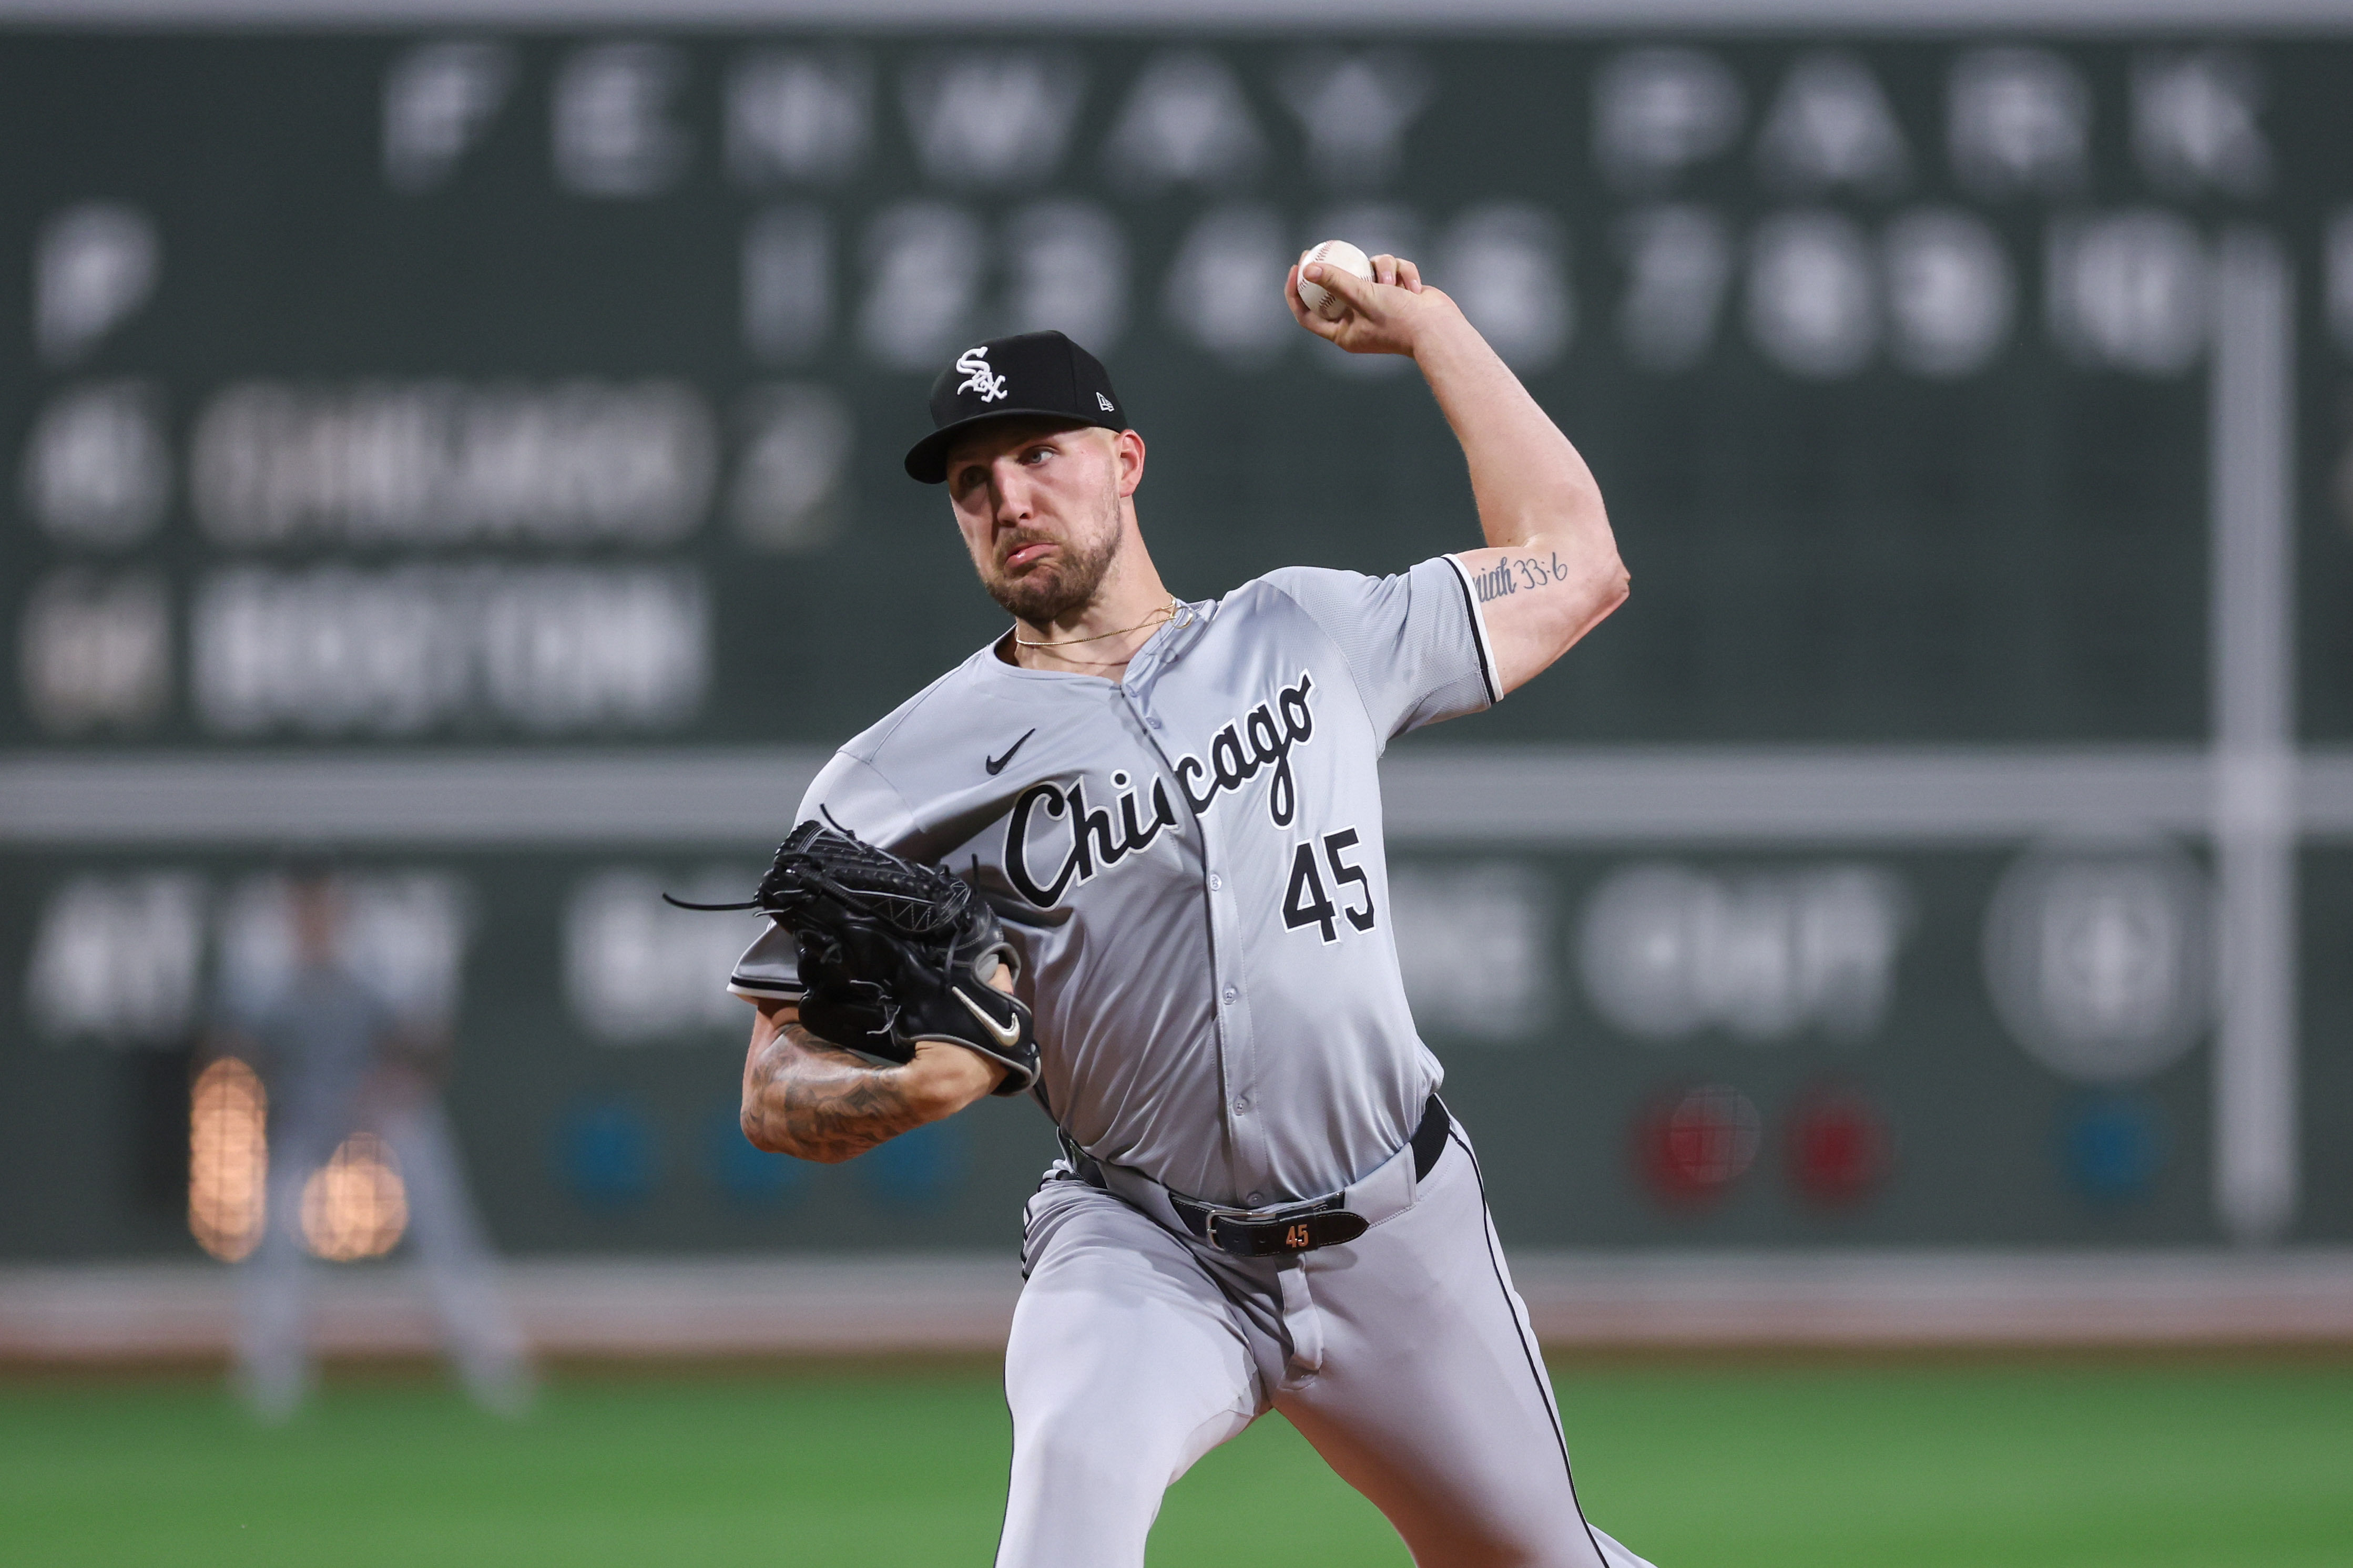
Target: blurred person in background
{"x": 337, "y": 1058}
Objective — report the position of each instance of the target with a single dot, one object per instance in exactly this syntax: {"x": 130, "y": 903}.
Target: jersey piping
{"x": 1479, "y": 626}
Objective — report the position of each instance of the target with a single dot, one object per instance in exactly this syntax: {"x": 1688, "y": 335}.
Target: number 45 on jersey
{"x": 1307, "y": 900}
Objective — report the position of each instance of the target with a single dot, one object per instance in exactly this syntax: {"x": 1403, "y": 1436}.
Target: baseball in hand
{"x": 1330, "y": 253}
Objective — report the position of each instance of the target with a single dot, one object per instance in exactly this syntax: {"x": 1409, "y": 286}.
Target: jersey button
{"x": 1241, "y": 1102}
{"x": 1231, "y": 995}
{"x": 1154, "y": 722}
{"x": 1253, "y": 1198}
{"x": 1216, "y": 882}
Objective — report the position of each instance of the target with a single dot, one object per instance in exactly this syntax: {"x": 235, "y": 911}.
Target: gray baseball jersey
{"x": 1193, "y": 863}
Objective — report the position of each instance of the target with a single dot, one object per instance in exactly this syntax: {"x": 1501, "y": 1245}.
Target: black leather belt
{"x": 1299, "y": 1227}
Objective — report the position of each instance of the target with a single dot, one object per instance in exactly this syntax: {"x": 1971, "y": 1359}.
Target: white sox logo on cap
{"x": 973, "y": 366}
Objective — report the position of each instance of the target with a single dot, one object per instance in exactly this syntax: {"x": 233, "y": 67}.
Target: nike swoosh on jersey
{"x": 995, "y": 766}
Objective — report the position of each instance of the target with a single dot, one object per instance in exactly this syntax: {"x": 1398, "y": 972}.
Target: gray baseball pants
{"x": 1404, "y": 1356}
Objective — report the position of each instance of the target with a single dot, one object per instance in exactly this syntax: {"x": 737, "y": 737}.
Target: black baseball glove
{"x": 892, "y": 952}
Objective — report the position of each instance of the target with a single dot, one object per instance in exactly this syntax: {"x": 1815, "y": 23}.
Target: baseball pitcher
{"x": 1129, "y": 859}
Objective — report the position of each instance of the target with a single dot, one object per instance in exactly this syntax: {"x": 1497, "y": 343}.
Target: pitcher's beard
{"x": 1046, "y": 594}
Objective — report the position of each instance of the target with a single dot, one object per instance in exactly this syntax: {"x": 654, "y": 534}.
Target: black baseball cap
{"x": 1030, "y": 375}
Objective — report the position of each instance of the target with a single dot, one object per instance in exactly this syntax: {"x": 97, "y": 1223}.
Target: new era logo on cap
{"x": 1037, "y": 375}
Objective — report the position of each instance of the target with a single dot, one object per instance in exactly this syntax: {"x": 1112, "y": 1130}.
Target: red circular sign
{"x": 1840, "y": 1147}
{"x": 1691, "y": 1147}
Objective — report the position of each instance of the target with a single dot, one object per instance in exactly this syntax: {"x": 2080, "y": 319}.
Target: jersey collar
{"x": 1165, "y": 646}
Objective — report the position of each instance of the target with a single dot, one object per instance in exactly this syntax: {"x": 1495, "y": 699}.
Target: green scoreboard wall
{"x": 478, "y": 454}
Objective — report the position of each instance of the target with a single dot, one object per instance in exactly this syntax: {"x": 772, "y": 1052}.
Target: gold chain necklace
{"x": 1166, "y": 612}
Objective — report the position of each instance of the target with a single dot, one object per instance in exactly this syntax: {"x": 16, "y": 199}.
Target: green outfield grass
{"x": 1905, "y": 1467}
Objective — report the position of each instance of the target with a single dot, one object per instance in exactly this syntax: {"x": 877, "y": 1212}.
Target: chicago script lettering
{"x": 1093, "y": 839}
{"x": 1097, "y": 840}
{"x": 1262, "y": 738}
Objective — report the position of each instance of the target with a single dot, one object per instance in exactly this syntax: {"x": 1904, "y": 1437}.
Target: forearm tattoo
{"x": 1518, "y": 573}
{"x": 810, "y": 1098}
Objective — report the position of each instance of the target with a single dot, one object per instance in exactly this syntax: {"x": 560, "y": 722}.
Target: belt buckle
{"x": 1210, "y": 1216}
